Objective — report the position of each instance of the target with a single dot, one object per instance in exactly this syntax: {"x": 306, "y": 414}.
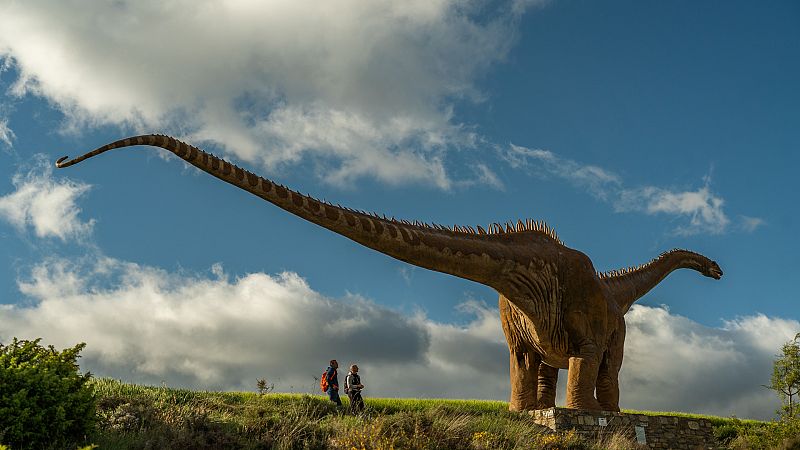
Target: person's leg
{"x": 359, "y": 402}
{"x": 333, "y": 394}
{"x": 351, "y": 396}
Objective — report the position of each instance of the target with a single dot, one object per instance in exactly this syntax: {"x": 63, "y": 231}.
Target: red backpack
{"x": 323, "y": 381}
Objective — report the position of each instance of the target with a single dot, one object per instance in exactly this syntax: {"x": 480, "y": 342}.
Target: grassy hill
{"x": 139, "y": 417}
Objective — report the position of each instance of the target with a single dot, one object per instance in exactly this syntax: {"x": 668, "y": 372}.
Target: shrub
{"x": 783, "y": 434}
{"x": 726, "y": 433}
{"x": 44, "y": 399}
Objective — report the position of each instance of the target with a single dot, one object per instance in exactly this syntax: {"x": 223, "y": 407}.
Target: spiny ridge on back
{"x": 493, "y": 228}
{"x": 191, "y": 153}
{"x": 631, "y": 269}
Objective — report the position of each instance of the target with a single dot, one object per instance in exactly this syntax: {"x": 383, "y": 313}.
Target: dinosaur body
{"x": 534, "y": 376}
{"x": 556, "y": 311}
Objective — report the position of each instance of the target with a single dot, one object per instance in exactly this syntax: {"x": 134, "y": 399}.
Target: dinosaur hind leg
{"x": 608, "y": 376}
{"x": 548, "y": 379}
{"x": 524, "y": 368}
{"x": 608, "y": 386}
{"x": 581, "y": 382}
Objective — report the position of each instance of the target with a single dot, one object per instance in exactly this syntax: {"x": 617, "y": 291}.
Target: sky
{"x": 630, "y": 127}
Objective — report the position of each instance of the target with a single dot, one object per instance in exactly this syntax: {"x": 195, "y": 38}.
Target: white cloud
{"x": 401, "y": 150}
{"x": 672, "y": 363}
{"x": 702, "y": 208}
{"x": 6, "y": 134}
{"x": 595, "y": 179}
{"x": 750, "y": 224}
{"x": 480, "y": 174}
{"x": 369, "y": 85}
{"x": 212, "y": 332}
{"x": 46, "y": 205}
{"x": 486, "y": 176}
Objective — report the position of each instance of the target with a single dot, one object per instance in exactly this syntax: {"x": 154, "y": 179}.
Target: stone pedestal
{"x": 667, "y": 432}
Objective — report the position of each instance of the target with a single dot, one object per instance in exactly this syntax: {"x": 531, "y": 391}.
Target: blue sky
{"x": 630, "y": 127}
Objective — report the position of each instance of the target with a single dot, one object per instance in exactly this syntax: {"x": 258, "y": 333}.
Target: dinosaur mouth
{"x": 715, "y": 273}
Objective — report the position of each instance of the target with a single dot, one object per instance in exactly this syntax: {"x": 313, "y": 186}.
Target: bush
{"x": 726, "y": 433}
{"x": 44, "y": 400}
{"x": 783, "y": 434}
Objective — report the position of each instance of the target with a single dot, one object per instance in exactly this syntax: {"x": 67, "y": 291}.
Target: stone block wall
{"x": 662, "y": 432}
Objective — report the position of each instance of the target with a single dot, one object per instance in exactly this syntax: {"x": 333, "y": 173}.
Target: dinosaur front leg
{"x": 524, "y": 367}
{"x": 523, "y": 363}
{"x": 548, "y": 379}
{"x": 586, "y": 325}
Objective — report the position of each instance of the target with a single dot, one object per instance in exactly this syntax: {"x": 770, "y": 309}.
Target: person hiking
{"x": 330, "y": 382}
{"x": 353, "y": 387}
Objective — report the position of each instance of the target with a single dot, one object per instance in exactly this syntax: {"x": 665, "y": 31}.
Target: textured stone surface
{"x": 662, "y": 432}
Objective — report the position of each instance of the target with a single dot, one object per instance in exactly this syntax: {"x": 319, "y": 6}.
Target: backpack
{"x": 350, "y": 380}
{"x": 323, "y": 381}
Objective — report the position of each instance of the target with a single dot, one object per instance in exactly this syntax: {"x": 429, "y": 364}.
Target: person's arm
{"x": 332, "y": 378}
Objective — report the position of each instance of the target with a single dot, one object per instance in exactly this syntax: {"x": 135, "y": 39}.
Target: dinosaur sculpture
{"x": 556, "y": 310}
{"x": 536, "y": 390}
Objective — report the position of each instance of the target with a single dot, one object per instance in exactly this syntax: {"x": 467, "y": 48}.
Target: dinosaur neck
{"x": 458, "y": 252}
{"x": 630, "y": 285}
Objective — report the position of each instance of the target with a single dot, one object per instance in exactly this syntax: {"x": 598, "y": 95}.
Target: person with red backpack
{"x": 329, "y": 382}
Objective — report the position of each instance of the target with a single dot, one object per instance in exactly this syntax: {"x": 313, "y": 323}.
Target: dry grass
{"x": 140, "y": 417}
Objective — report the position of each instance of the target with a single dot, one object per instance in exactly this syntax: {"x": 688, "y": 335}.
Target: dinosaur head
{"x": 696, "y": 261}
{"x": 711, "y": 269}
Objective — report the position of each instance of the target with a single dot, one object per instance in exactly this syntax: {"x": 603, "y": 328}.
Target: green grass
{"x": 393, "y": 405}
{"x": 107, "y": 387}
{"x": 149, "y": 417}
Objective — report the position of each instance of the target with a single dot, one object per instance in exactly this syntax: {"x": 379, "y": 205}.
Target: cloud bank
{"x": 673, "y": 363}
{"x": 359, "y": 87}
{"x": 701, "y": 209}
{"x": 212, "y": 332}
{"x": 46, "y": 206}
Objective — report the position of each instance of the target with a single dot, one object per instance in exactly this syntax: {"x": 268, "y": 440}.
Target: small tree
{"x": 786, "y": 376}
{"x": 264, "y": 387}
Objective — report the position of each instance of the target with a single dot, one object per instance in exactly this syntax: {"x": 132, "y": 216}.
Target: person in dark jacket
{"x": 333, "y": 383}
{"x": 353, "y": 387}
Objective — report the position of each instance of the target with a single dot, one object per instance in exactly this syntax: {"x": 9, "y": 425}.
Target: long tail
{"x": 457, "y": 251}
